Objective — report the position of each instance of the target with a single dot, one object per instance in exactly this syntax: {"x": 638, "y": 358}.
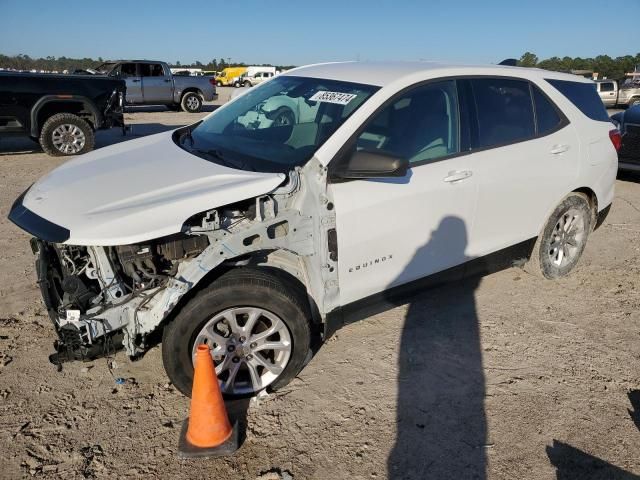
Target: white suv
{"x": 331, "y": 185}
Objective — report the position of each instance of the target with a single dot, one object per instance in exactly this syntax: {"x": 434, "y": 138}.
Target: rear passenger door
{"x": 607, "y": 93}
{"x": 525, "y": 159}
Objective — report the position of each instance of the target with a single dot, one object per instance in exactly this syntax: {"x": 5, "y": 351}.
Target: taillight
{"x": 616, "y": 138}
{"x": 212, "y": 81}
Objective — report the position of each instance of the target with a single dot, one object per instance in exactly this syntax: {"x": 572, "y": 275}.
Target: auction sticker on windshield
{"x": 332, "y": 97}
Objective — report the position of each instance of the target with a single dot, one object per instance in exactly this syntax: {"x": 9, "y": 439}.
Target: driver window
{"x": 152, "y": 70}
{"x": 128, "y": 70}
{"x": 421, "y": 125}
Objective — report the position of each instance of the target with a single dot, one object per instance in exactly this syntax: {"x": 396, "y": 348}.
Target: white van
{"x": 255, "y": 75}
{"x": 326, "y": 188}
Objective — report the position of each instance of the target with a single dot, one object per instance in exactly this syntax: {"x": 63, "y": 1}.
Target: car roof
{"x": 384, "y": 73}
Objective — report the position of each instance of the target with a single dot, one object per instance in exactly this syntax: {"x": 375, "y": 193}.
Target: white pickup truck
{"x": 151, "y": 83}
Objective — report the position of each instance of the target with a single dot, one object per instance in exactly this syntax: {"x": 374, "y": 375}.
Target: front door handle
{"x": 556, "y": 149}
{"x": 457, "y": 176}
{"x": 135, "y": 80}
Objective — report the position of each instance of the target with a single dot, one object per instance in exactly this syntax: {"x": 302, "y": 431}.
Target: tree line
{"x": 59, "y": 64}
{"x": 604, "y": 65}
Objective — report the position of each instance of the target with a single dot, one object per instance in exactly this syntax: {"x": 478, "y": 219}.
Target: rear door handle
{"x": 457, "y": 176}
{"x": 556, "y": 149}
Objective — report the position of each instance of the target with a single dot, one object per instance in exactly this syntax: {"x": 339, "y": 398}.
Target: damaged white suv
{"x": 327, "y": 185}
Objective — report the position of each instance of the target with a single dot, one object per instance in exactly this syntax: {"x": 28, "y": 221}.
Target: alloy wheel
{"x": 250, "y": 347}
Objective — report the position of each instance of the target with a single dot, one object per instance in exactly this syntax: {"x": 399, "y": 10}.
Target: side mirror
{"x": 368, "y": 164}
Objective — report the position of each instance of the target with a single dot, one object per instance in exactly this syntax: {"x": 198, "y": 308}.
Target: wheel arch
{"x": 50, "y": 105}
{"x": 286, "y": 265}
{"x": 593, "y": 202}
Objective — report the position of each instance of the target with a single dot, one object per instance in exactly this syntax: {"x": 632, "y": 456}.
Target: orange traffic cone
{"x": 207, "y": 431}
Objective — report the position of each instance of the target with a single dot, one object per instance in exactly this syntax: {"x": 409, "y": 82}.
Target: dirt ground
{"x": 502, "y": 377}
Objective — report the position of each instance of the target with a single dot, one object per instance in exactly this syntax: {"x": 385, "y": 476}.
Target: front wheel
{"x": 191, "y": 102}
{"x": 561, "y": 243}
{"x": 256, "y": 325}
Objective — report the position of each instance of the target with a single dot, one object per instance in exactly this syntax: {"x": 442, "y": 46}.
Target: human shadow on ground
{"x": 440, "y": 419}
{"x": 574, "y": 464}
{"x": 634, "y": 398}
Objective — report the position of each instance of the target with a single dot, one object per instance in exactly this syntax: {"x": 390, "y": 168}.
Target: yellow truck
{"x": 228, "y": 76}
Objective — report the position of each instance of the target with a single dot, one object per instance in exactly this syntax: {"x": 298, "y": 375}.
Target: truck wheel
{"x": 191, "y": 102}
{"x": 247, "y": 83}
{"x": 66, "y": 134}
{"x": 561, "y": 243}
{"x": 219, "y": 84}
{"x": 256, "y": 325}
{"x": 634, "y": 101}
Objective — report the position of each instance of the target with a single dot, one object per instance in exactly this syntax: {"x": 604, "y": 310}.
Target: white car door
{"x": 394, "y": 230}
{"x": 524, "y": 167}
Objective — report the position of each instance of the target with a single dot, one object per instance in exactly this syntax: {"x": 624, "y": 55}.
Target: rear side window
{"x": 504, "y": 111}
{"x": 606, "y": 87}
{"x": 547, "y": 117}
{"x": 584, "y": 96}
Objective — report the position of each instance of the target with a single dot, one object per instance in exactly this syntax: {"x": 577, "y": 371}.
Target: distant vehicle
{"x": 186, "y": 71}
{"x": 229, "y": 75}
{"x": 61, "y": 112}
{"x": 608, "y": 92}
{"x": 255, "y": 75}
{"x": 211, "y": 73}
{"x": 629, "y": 93}
{"x": 628, "y": 122}
{"x": 255, "y": 239}
{"x": 151, "y": 83}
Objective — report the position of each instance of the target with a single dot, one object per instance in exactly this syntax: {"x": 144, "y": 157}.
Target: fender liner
{"x": 86, "y": 103}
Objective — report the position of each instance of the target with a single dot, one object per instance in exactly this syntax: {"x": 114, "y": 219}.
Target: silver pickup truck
{"x": 151, "y": 83}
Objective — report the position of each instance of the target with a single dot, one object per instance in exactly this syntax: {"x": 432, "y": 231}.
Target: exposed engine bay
{"x": 85, "y": 281}
{"x": 101, "y": 297}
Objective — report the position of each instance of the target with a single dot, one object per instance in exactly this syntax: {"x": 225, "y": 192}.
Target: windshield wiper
{"x": 218, "y": 155}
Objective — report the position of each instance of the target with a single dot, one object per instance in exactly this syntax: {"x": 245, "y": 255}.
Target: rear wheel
{"x": 191, "y": 102}
{"x": 634, "y": 101}
{"x": 256, "y": 325}
{"x": 561, "y": 243}
{"x": 66, "y": 134}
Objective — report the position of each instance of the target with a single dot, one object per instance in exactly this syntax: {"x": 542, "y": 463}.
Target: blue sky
{"x": 298, "y": 32}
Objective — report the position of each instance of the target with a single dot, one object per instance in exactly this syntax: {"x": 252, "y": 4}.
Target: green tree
{"x": 528, "y": 59}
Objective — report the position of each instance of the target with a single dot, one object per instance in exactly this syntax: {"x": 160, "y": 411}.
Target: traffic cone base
{"x": 207, "y": 432}
{"x": 188, "y": 450}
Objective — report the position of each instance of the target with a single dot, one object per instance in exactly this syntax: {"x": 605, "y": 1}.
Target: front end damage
{"x": 102, "y": 297}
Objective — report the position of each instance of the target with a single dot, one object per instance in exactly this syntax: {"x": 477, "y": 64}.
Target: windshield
{"x": 105, "y": 67}
{"x": 276, "y": 126}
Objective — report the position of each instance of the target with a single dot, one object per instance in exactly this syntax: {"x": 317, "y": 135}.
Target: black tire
{"x": 247, "y": 84}
{"x": 191, "y": 102}
{"x": 283, "y": 116}
{"x": 634, "y": 101}
{"x": 50, "y": 129}
{"x": 544, "y": 257}
{"x": 242, "y": 287}
{"x": 219, "y": 84}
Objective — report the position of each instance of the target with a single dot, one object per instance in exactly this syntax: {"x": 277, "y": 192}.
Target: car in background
{"x": 254, "y": 240}
{"x": 152, "y": 83}
{"x": 608, "y": 92}
{"x": 628, "y": 122}
{"x": 255, "y": 75}
{"x": 629, "y": 93}
{"x": 61, "y": 112}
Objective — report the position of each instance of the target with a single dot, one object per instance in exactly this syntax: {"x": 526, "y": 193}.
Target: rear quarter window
{"x": 584, "y": 96}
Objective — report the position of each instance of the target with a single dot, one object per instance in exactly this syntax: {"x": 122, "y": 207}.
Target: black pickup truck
{"x": 61, "y": 112}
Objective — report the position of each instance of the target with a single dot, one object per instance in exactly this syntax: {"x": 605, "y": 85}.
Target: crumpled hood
{"x": 138, "y": 190}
